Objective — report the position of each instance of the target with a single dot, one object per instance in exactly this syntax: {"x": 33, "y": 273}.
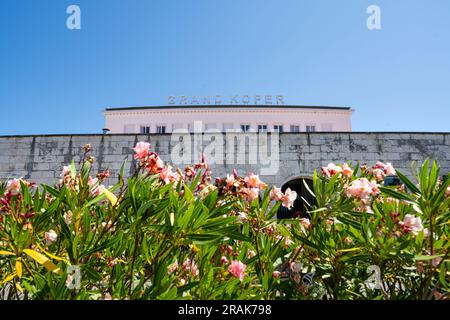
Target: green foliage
{"x": 156, "y": 239}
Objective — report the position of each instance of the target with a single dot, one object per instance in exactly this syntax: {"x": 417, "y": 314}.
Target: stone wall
{"x": 41, "y": 158}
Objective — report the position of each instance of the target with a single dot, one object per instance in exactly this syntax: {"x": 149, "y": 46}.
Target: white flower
{"x": 412, "y": 224}
{"x": 251, "y": 254}
{"x": 50, "y": 237}
{"x": 67, "y": 170}
{"x": 68, "y": 217}
{"x": 13, "y": 186}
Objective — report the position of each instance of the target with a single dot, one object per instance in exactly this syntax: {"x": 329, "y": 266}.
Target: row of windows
{"x": 145, "y": 129}
{"x": 278, "y": 128}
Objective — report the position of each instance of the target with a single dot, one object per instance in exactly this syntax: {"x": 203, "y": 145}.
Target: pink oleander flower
{"x": 378, "y": 174}
{"x": 190, "y": 266}
{"x": 379, "y": 165}
{"x": 50, "y": 237}
{"x": 348, "y": 240}
{"x": 237, "y": 269}
{"x": 168, "y": 176}
{"x": 276, "y": 194}
{"x": 202, "y": 164}
{"x": 287, "y": 241}
{"x": 68, "y": 217}
{"x": 104, "y": 175}
{"x": 412, "y": 224}
{"x": 224, "y": 260}
{"x": 276, "y": 274}
{"x": 305, "y": 223}
{"x": 331, "y": 170}
{"x": 189, "y": 172}
{"x": 92, "y": 182}
{"x": 154, "y": 164}
{"x": 447, "y": 192}
{"x": 98, "y": 190}
{"x": 253, "y": 181}
{"x": 347, "y": 171}
{"x": 289, "y": 198}
{"x": 362, "y": 189}
{"x": 387, "y": 168}
{"x": 13, "y": 186}
{"x": 250, "y": 194}
{"x": 436, "y": 261}
{"x": 242, "y": 216}
{"x": 141, "y": 149}
{"x": 172, "y": 267}
{"x": 251, "y": 254}
{"x": 194, "y": 270}
{"x": 374, "y": 188}
{"x": 165, "y": 174}
{"x": 67, "y": 170}
{"x": 230, "y": 180}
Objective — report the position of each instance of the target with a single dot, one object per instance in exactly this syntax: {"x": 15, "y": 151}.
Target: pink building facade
{"x": 283, "y": 118}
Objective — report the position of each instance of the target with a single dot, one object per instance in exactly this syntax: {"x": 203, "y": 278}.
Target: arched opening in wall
{"x": 300, "y": 207}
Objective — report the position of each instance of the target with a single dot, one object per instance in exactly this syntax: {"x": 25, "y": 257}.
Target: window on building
{"x": 310, "y": 128}
{"x": 278, "y": 128}
{"x": 295, "y": 128}
{"x": 245, "y": 127}
{"x": 161, "y": 129}
{"x": 145, "y": 130}
{"x": 262, "y": 127}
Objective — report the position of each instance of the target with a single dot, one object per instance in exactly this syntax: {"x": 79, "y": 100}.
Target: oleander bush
{"x": 180, "y": 234}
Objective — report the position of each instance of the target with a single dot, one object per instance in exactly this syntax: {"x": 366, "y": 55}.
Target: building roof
{"x": 227, "y": 106}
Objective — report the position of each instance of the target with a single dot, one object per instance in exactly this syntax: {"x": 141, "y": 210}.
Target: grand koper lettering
{"x": 237, "y": 99}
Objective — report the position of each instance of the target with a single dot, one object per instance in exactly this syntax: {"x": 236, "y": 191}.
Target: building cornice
{"x": 181, "y": 107}
{"x": 277, "y": 110}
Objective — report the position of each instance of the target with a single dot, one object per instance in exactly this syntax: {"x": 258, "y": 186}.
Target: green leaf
{"x": 349, "y": 221}
{"x": 308, "y": 242}
{"x": 42, "y": 260}
{"x": 396, "y": 194}
{"x": 425, "y": 258}
{"x": 308, "y": 188}
{"x": 91, "y": 273}
{"x": 204, "y": 238}
{"x": 433, "y": 177}
{"x": 423, "y": 176}
{"x": 237, "y": 236}
{"x": 409, "y": 184}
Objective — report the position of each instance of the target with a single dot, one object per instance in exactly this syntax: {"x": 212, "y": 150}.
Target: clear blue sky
{"x": 134, "y": 53}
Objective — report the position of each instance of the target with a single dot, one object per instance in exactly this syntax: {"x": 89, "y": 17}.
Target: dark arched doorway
{"x": 300, "y": 207}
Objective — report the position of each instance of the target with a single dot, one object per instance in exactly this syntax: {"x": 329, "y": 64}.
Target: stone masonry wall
{"x": 41, "y": 158}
